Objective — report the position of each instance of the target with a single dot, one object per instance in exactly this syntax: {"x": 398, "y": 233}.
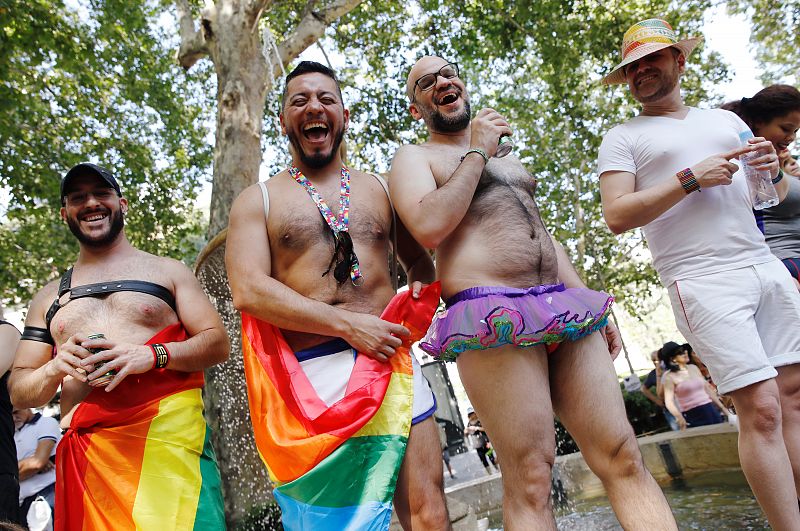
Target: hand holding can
{"x": 107, "y": 377}
{"x": 504, "y": 146}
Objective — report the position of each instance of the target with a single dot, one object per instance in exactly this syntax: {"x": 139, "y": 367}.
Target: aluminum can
{"x": 504, "y": 146}
{"x": 107, "y": 377}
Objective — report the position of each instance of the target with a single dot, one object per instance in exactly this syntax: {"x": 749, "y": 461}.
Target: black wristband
{"x": 160, "y": 355}
{"x": 778, "y": 177}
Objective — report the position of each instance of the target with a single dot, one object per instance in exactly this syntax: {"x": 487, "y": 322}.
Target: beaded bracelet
{"x": 778, "y": 177}
{"x": 479, "y": 151}
{"x": 688, "y": 180}
{"x": 160, "y": 355}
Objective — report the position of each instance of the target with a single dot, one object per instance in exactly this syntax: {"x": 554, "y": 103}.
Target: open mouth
{"x": 315, "y": 131}
{"x": 448, "y": 98}
{"x": 94, "y": 217}
{"x": 645, "y": 78}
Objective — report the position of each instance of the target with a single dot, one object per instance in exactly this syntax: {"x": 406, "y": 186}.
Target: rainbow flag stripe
{"x": 140, "y": 457}
{"x": 334, "y": 467}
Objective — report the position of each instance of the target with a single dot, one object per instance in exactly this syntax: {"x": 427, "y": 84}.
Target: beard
{"x": 668, "y": 82}
{"x": 319, "y": 159}
{"x": 446, "y": 124}
{"x": 117, "y": 224}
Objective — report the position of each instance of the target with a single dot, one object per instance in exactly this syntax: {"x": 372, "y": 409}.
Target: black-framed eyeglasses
{"x": 428, "y": 81}
{"x": 343, "y": 257}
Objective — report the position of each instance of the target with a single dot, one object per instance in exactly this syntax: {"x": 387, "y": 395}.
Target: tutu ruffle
{"x": 486, "y": 317}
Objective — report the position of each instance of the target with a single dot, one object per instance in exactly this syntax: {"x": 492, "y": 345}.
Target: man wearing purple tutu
{"x": 670, "y": 170}
{"x": 526, "y": 334}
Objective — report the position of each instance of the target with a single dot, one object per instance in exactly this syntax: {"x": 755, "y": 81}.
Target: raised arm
{"x": 431, "y": 213}
{"x": 414, "y": 258}
{"x": 625, "y": 209}
{"x": 247, "y": 260}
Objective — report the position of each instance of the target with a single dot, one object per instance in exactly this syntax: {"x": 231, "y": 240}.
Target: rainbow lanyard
{"x": 339, "y": 224}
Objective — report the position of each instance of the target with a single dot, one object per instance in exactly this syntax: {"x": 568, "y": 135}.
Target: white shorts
{"x": 328, "y": 367}
{"x": 742, "y": 323}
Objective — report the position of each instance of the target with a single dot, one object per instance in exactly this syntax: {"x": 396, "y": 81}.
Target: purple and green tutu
{"x": 486, "y": 317}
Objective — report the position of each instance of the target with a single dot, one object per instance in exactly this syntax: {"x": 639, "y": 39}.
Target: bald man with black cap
{"x": 122, "y": 333}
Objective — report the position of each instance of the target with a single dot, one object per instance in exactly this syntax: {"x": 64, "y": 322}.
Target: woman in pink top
{"x": 687, "y": 394}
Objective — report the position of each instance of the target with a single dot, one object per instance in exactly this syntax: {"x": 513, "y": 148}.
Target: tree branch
{"x": 311, "y": 27}
{"x": 255, "y": 8}
{"x": 193, "y": 45}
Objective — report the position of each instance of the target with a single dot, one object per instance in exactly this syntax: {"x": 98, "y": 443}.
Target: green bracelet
{"x": 778, "y": 177}
{"x": 479, "y": 151}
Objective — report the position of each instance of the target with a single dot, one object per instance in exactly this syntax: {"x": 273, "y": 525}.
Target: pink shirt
{"x": 691, "y": 393}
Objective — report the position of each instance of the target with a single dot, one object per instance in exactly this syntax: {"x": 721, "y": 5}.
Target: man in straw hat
{"x": 527, "y": 335}
{"x": 670, "y": 171}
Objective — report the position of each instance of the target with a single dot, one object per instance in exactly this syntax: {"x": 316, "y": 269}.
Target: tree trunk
{"x": 242, "y": 84}
{"x": 232, "y": 36}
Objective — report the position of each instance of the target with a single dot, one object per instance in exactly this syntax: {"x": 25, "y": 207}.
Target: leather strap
{"x": 35, "y": 333}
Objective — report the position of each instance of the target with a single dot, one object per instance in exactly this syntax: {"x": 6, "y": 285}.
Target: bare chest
{"x": 297, "y": 226}
{"x": 119, "y": 316}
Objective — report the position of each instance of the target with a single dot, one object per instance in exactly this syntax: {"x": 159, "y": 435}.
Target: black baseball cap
{"x": 92, "y": 169}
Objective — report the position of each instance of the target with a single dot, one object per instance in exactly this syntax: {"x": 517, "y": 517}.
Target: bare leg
{"x": 419, "y": 498}
{"x": 587, "y": 399}
{"x": 789, "y": 388}
{"x": 509, "y": 389}
{"x": 762, "y": 451}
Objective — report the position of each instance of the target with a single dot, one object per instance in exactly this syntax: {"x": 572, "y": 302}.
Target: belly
{"x": 370, "y": 298}
{"x": 501, "y": 251}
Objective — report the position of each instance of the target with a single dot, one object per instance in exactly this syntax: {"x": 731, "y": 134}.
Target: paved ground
{"x": 466, "y": 467}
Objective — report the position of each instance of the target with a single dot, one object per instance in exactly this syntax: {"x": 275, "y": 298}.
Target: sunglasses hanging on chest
{"x": 344, "y": 261}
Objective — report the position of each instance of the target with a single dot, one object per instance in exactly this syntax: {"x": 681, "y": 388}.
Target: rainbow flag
{"x": 334, "y": 468}
{"x": 140, "y": 457}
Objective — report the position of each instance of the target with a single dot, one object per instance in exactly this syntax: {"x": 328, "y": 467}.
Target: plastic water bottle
{"x": 759, "y": 182}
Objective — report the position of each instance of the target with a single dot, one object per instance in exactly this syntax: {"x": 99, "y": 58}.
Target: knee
{"x": 763, "y": 415}
{"x": 529, "y": 478}
{"x": 790, "y": 399}
{"x": 621, "y": 458}
{"x": 429, "y": 510}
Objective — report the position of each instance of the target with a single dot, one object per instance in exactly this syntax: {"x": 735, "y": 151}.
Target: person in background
{"x": 687, "y": 394}
{"x": 653, "y": 379}
{"x": 9, "y": 480}
{"x": 774, "y": 113}
{"x": 789, "y": 163}
{"x": 480, "y": 441}
{"x": 36, "y": 438}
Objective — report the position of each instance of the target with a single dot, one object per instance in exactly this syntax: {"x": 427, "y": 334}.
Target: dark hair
{"x": 310, "y": 67}
{"x": 766, "y": 105}
{"x": 669, "y": 351}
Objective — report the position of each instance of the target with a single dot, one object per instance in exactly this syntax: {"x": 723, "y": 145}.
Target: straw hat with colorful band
{"x": 644, "y": 38}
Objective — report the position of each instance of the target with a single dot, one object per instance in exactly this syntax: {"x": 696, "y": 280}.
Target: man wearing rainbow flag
{"x": 137, "y": 451}
{"x": 526, "y": 333}
{"x": 341, "y": 413}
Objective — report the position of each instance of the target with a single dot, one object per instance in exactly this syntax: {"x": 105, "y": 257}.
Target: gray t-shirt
{"x": 782, "y": 223}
